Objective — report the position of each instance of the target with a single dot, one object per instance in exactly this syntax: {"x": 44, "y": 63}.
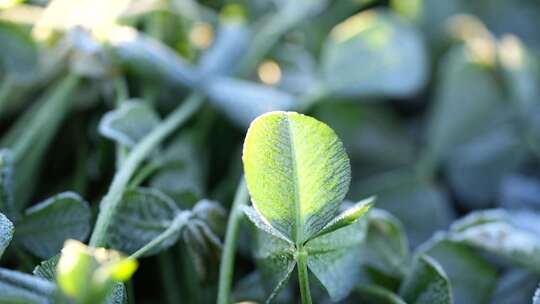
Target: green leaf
{"x": 6, "y": 233}
{"x": 411, "y": 200}
{"x": 335, "y": 258}
{"x": 373, "y": 294}
{"x": 374, "y": 53}
{"x": 496, "y": 232}
{"x": 181, "y": 169}
{"x": 297, "y": 172}
{"x": 275, "y": 261}
{"x": 466, "y": 96}
{"x": 130, "y": 123}
{"x": 18, "y": 287}
{"x": 142, "y": 215}
{"x": 47, "y": 269}
{"x": 45, "y": 226}
{"x": 243, "y": 101}
{"x": 386, "y": 248}
{"x": 348, "y": 216}
{"x": 426, "y": 283}
{"x": 7, "y": 200}
{"x": 515, "y": 286}
{"x": 19, "y": 56}
{"x": 472, "y": 278}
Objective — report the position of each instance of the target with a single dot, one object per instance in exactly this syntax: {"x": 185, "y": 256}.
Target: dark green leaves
{"x": 7, "y": 199}
{"x": 46, "y": 226}
{"x": 297, "y": 172}
{"x": 6, "y": 233}
{"x": 374, "y": 53}
{"x": 142, "y": 216}
{"x": 426, "y": 283}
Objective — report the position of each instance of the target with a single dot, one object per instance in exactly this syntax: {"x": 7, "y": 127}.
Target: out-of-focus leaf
{"x": 47, "y": 269}
{"x": 45, "y": 226}
{"x": 476, "y": 169}
{"x": 466, "y": 97}
{"x": 335, "y": 260}
{"x": 181, "y": 171}
{"x": 473, "y": 279}
{"x": 520, "y": 192}
{"x": 243, "y": 101}
{"x": 519, "y": 67}
{"x": 496, "y": 232}
{"x": 374, "y": 53}
{"x": 297, "y": 172}
{"x": 426, "y": 283}
{"x": 431, "y": 16}
{"x": 298, "y": 68}
{"x": 374, "y": 137}
{"x": 130, "y": 123}
{"x": 386, "y": 247}
{"x": 150, "y": 59}
{"x": 6, "y": 233}
{"x": 90, "y": 275}
{"x": 412, "y": 201}
{"x": 231, "y": 42}
{"x": 373, "y": 294}
{"x": 143, "y": 214}
{"x": 515, "y": 286}
{"x": 19, "y": 56}
{"x": 7, "y": 200}
{"x": 18, "y": 287}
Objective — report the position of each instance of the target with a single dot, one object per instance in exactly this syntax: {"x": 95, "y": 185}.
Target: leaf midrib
{"x": 298, "y": 210}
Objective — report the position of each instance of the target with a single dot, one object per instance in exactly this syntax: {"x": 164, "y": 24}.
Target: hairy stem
{"x": 176, "y": 226}
{"x": 229, "y": 249}
{"x": 121, "y": 179}
{"x": 303, "y": 277}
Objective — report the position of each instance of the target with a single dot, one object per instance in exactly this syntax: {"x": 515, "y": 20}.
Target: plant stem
{"x": 303, "y": 277}
{"x": 176, "y": 226}
{"x": 121, "y": 179}
{"x": 229, "y": 248}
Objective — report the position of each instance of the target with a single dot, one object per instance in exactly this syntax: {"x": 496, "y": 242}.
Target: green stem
{"x": 122, "y": 95}
{"x": 303, "y": 276}
{"x": 229, "y": 248}
{"x": 121, "y": 179}
{"x": 176, "y": 226}
{"x": 144, "y": 173}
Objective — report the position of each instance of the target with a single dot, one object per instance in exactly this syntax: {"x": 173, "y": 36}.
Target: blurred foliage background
{"x": 435, "y": 101}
